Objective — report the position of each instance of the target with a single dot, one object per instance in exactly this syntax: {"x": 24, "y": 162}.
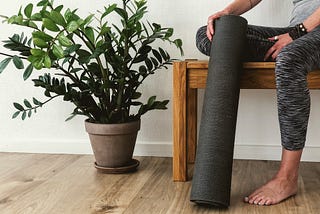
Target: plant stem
{"x": 74, "y": 79}
{"x": 37, "y": 106}
{"x": 12, "y": 56}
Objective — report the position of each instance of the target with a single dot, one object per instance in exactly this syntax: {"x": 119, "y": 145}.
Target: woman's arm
{"x": 312, "y": 21}
{"x": 237, "y": 7}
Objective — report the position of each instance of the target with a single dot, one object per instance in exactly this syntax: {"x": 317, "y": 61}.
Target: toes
{"x": 254, "y": 199}
{"x": 260, "y": 199}
{"x": 268, "y": 202}
{"x": 257, "y": 201}
{"x": 262, "y": 202}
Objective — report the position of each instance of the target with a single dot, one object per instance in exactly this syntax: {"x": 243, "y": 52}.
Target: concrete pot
{"x": 113, "y": 144}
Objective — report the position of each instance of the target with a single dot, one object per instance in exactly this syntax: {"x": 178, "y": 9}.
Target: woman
{"x": 296, "y": 50}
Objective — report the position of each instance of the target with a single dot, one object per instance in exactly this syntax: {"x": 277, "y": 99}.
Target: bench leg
{"x": 192, "y": 124}
{"x": 180, "y": 169}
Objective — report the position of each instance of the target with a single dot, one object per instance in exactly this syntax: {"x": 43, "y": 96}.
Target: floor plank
{"x": 69, "y": 184}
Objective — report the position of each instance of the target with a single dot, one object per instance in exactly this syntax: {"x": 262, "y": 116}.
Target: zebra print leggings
{"x": 292, "y": 66}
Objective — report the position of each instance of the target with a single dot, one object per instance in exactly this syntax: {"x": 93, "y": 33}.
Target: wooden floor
{"x": 63, "y": 184}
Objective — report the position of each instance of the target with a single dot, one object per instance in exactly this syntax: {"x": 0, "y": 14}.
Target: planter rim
{"x": 112, "y": 129}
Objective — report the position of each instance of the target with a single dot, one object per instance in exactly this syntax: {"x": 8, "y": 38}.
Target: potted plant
{"x": 95, "y": 64}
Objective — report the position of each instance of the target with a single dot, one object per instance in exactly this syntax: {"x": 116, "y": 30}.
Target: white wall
{"x": 257, "y": 130}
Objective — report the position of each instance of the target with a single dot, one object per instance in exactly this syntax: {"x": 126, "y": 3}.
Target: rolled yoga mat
{"x": 211, "y": 183}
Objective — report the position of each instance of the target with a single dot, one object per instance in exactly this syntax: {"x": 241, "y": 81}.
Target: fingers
{"x": 272, "y": 51}
{"x": 280, "y": 42}
{"x": 275, "y": 54}
{"x": 210, "y": 26}
{"x": 210, "y": 30}
{"x": 275, "y": 38}
{"x": 269, "y": 53}
{"x": 210, "y": 23}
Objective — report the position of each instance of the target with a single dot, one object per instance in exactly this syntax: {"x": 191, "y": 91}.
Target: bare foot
{"x": 273, "y": 192}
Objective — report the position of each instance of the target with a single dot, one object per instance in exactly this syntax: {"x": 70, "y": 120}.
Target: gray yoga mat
{"x": 211, "y": 183}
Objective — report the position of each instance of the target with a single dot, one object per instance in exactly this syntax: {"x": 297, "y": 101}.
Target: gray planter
{"x": 113, "y": 144}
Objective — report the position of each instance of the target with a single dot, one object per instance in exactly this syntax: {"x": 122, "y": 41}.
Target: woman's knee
{"x": 202, "y": 41}
{"x": 296, "y": 55}
{"x": 291, "y": 65}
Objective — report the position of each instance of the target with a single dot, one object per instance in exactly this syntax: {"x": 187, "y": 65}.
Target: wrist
{"x": 298, "y": 31}
{"x": 226, "y": 11}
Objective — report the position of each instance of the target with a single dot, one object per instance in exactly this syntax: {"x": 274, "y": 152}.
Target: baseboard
{"x": 160, "y": 149}
{"x": 273, "y": 152}
{"x": 47, "y": 146}
{"x": 80, "y": 147}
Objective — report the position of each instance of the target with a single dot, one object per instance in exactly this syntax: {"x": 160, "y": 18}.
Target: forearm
{"x": 239, "y": 7}
{"x": 312, "y": 21}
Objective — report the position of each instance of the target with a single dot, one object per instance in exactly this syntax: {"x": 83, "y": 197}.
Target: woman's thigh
{"x": 302, "y": 54}
{"x": 257, "y": 41}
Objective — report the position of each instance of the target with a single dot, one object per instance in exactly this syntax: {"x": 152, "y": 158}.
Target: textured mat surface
{"x": 211, "y": 183}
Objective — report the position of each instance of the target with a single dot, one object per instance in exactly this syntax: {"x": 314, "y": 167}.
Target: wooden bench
{"x": 188, "y": 77}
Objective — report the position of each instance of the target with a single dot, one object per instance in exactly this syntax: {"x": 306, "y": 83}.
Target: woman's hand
{"x": 210, "y": 25}
{"x": 280, "y": 42}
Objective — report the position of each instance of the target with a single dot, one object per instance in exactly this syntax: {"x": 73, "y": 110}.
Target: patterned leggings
{"x": 292, "y": 66}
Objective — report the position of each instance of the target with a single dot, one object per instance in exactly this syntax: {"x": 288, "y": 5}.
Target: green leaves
{"x": 37, "y": 52}
{"x": 43, "y": 3}
{"x": 18, "y": 43}
{"x": 169, "y": 33}
{"x": 51, "y": 85}
{"x": 122, "y": 13}
{"x": 27, "y": 103}
{"x": 83, "y": 56}
{"x": 108, "y": 10}
{"x": 136, "y": 95}
{"x": 89, "y": 32}
{"x": 47, "y": 61}
{"x": 97, "y": 68}
{"x": 28, "y": 10}
{"x": 58, "y": 51}
{"x": 157, "y": 55}
{"x": 72, "y": 26}
{"x": 18, "y": 106}
{"x": 64, "y": 41}
{"x": 57, "y": 18}
{"x": 4, "y": 63}
{"x": 178, "y": 43}
{"x": 50, "y": 25}
{"x": 42, "y": 35}
{"x": 16, "y": 19}
{"x": 151, "y": 101}
{"x": 41, "y": 39}
{"x": 37, "y": 59}
{"x": 26, "y": 109}
{"x": 71, "y": 49}
{"x": 28, "y": 72}
{"x": 40, "y": 43}
{"x": 152, "y": 104}
{"x": 17, "y": 62}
